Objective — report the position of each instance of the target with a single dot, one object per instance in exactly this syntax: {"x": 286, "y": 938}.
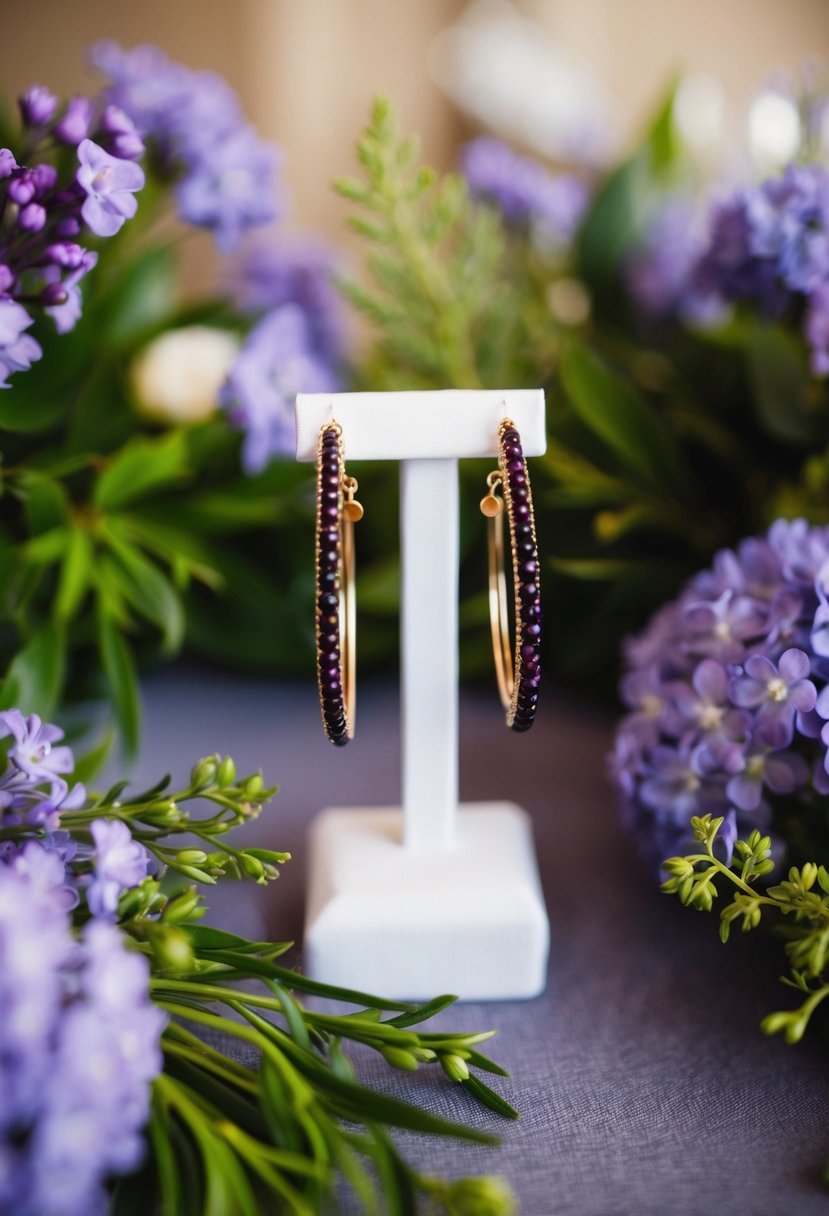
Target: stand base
{"x": 409, "y": 925}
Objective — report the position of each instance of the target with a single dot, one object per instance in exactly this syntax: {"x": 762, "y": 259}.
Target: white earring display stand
{"x": 428, "y": 897}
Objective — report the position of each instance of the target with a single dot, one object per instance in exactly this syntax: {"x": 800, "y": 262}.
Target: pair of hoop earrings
{"x": 517, "y": 669}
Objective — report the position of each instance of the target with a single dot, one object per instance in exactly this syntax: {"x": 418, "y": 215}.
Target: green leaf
{"x": 780, "y": 383}
{"x": 616, "y": 412}
{"x": 489, "y": 1098}
{"x": 144, "y": 587}
{"x": 44, "y": 501}
{"x": 75, "y": 573}
{"x": 140, "y": 468}
{"x": 34, "y": 680}
{"x": 141, "y": 300}
{"x": 119, "y": 667}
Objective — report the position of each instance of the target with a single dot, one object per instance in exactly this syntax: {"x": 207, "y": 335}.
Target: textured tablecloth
{"x": 645, "y": 1085}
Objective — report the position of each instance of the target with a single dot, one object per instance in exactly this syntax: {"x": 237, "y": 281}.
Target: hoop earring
{"x": 518, "y": 678}
{"x": 337, "y": 512}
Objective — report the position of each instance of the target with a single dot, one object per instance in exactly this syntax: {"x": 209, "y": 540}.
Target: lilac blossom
{"x": 225, "y": 174}
{"x": 270, "y": 275}
{"x": 658, "y": 273}
{"x": 110, "y": 185}
{"x": 277, "y": 362}
{"x": 728, "y": 693}
{"x": 79, "y": 1046}
{"x": 119, "y": 863}
{"x": 18, "y": 350}
{"x": 32, "y": 751}
{"x": 45, "y": 212}
{"x": 524, "y": 190}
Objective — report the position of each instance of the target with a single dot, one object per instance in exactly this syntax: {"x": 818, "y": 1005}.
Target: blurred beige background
{"x": 307, "y": 69}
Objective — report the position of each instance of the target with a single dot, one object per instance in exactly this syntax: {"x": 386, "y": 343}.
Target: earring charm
{"x": 518, "y": 670}
{"x": 337, "y": 512}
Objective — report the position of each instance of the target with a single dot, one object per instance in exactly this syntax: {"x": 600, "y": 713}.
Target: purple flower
{"x": 110, "y": 185}
{"x": 659, "y": 274}
{"x": 18, "y": 351}
{"x": 119, "y": 864}
{"x": 67, "y": 314}
{"x": 37, "y": 105}
{"x": 782, "y": 772}
{"x": 225, "y": 174}
{"x": 230, "y": 189}
{"x": 674, "y": 788}
{"x": 269, "y": 276}
{"x": 524, "y": 190}
{"x": 32, "y": 752}
{"x": 79, "y": 1045}
{"x": 736, "y": 680}
{"x": 76, "y": 121}
{"x": 776, "y": 691}
{"x": 275, "y": 364}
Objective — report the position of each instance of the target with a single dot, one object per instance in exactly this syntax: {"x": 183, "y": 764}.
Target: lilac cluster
{"x": 728, "y": 693}
{"x": 297, "y": 345}
{"x": 43, "y": 218}
{"x": 34, "y": 794}
{"x": 224, "y": 173}
{"x": 766, "y": 244}
{"x": 79, "y": 1046}
{"x": 524, "y": 191}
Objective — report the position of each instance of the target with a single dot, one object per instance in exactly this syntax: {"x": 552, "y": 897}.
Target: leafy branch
{"x": 260, "y": 1104}
{"x": 801, "y": 902}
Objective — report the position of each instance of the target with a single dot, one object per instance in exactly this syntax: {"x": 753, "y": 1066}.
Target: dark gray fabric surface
{"x": 645, "y": 1085}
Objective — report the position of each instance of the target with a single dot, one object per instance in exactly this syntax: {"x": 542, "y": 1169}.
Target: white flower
{"x": 177, "y": 377}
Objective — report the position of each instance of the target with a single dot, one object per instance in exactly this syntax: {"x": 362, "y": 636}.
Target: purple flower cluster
{"x": 727, "y": 693}
{"x": 766, "y": 244}
{"x": 43, "y": 218}
{"x": 296, "y": 346}
{"x": 526, "y": 193}
{"x": 34, "y": 793}
{"x": 79, "y": 1046}
{"x": 225, "y": 174}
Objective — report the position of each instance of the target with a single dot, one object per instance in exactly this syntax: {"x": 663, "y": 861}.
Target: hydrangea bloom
{"x": 524, "y": 190}
{"x": 225, "y": 173}
{"x": 728, "y": 693}
{"x": 79, "y": 1045}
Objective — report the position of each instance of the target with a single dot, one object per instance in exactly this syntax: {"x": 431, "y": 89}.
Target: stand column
{"x": 429, "y": 652}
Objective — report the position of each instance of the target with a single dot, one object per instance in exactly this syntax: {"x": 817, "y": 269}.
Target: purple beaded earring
{"x": 518, "y": 680}
{"x": 337, "y": 512}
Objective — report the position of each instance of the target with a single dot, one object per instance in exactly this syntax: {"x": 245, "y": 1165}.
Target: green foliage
{"x": 798, "y": 908}
{"x": 285, "y": 1126}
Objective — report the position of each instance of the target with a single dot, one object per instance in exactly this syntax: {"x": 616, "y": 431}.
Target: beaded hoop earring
{"x": 518, "y": 678}
{"x": 337, "y": 512}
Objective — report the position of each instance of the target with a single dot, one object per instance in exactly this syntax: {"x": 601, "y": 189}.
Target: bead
{"x": 528, "y": 592}
{"x": 328, "y": 602}
{"x": 515, "y": 465}
{"x": 521, "y": 510}
{"x": 533, "y": 630}
{"x": 528, "y": 570}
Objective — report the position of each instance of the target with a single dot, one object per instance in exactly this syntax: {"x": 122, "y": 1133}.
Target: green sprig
{"x": 800, "y": 902}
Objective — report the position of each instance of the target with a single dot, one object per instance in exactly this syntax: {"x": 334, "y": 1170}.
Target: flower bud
{"x": 227, "y": 772}
{"x": 7, "y": 163}
{"x": 22, "y": 189}
{"x": 74, "y": 125}
{"x": 253, "y": 867}
{"x": 191, "y": 857}
{"x": 115, "y": 121}
{"x": 487, "y": 1196}
{"x": 65, "y": 253}
{"x": 6, "y": 279}
{"x": 171, "y": 947}
{"x": 32, "y": 218}
{"x": 204, "y": 773}
{"x": 45, "y": 178}
{"x": 254, "y": 785}
{"x": 400, "y": 1058}
{"x": 129, "y": 146}
{"x": 455, "y": 1068}
{"x": 37, "y": 105}
{"x": 808, "y": 875}
{"x": 182, "y": 906}
{"x": 53, "y": 294}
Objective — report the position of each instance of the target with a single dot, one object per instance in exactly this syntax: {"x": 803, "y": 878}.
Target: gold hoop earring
{"x": 518, "y": 669}
{"x": 337, "y": 512}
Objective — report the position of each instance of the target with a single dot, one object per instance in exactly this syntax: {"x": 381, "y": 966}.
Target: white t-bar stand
{"x": 413, "y": 901}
